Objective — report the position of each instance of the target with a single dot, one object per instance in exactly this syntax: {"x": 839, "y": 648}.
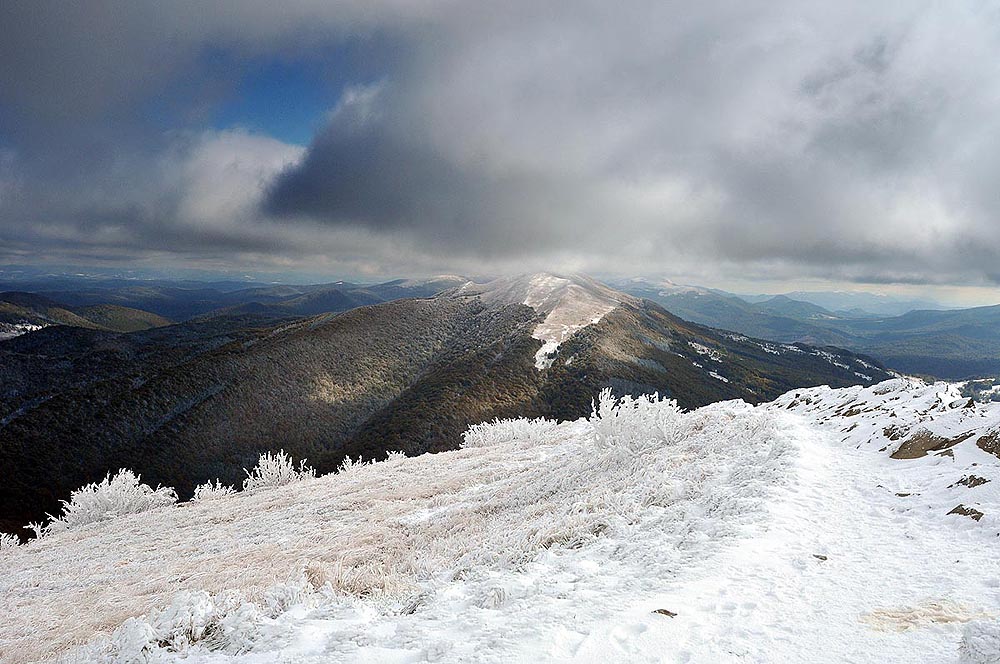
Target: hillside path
{"x": 844, "y": 571}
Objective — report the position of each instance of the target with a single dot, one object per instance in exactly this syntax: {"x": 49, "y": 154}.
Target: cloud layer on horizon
{"x": 843, "y": 141}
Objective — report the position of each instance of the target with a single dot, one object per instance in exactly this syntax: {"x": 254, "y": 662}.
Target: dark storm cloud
{"x": 363, "y": 171}
{"x": 787, "y": 139}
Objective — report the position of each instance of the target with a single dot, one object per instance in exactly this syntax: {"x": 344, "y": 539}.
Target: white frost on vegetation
{"x": 274, "y": 470}
{"x": 520, "y": 431}
{"x": 640, "y": 485}
{"x": 212, "y": 490}
{"x": 980, "y": 643}
{"x": 780, "y": 533}
{"x": 110, "y": 498}
{"x": 11, "y": 330}
{"x": 717, "y": 376}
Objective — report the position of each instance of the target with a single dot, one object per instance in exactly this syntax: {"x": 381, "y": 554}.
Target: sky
{"x": 756, "y": 146}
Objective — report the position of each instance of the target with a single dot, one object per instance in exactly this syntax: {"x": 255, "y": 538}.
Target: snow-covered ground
{"x": 782, "y": 533}
{"x": 569, "y": 304}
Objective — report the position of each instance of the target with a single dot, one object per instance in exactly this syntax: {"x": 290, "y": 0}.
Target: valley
{"x": 954, "y": 344}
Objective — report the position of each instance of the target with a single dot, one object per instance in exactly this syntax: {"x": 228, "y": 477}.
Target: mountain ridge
{"x": 202, "y": 399}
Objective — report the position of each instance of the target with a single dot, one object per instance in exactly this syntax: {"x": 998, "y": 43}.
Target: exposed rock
{"x": 923, "y": 442}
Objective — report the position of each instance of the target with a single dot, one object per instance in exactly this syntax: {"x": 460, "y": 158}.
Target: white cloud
{"x": 220, "y": 178}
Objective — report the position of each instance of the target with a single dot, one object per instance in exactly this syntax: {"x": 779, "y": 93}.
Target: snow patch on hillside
{"x": 570, "y": 307}
{"x": 569, "y": 304}
{"x": 11, "y": 330}
{"x": 702, "y": 349}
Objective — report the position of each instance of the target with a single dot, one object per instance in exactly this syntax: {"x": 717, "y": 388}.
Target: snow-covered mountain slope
{"x": 786, "y": 532}
{"x": 569, "y": 304}
{"x": 944, "y": 449}
{"x": 660, "y": 286}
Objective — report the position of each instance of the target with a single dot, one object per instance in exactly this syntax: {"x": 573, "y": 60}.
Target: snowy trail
{"x": 841, "y": 570}
{"x": 785, "y": 532}
{"x": 894, "y": 585}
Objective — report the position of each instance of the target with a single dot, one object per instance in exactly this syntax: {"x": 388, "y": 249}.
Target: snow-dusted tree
{"x": 110, "y": 498}
{"x": 210, "y": 490}
{"x": 276, "y": 470}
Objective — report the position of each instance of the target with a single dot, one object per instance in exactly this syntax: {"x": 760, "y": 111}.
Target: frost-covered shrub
{"x": 194, "y": 621}
{"x": 395, "y": 456}
{"x": 980, "y": 643}
{"x": 634, "y": 460}
{"x": 349, "y": 465}
{"x": 525, "y": 431}
{"x": 36, "y": 527}
{"x": 283, "y": 596}
{"x": 8, "y": 541}
{"x": 635, "y": 423}
{"x": 221, "y": 622}
{"x": 110, "y": 498}
{"x": 210, "y": 491}
{"x": 275, "y": 470}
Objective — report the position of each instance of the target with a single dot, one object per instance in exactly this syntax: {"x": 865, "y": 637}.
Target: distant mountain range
{"x": 22, "y": 312}
{"x": 952, "y": 344}
{"x": 181, "y": 302}
{"x": 198, "y": 400}
{"x": 856, "y": 304}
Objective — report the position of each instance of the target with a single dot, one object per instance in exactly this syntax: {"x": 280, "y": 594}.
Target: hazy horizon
{"x": 946, "y": 297}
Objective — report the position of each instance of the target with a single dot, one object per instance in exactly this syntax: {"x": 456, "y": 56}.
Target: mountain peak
{"x": 568, "y": 302}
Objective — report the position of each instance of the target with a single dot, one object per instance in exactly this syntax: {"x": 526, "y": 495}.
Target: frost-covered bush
{"x": 634, "y": 459}
{"x": 196, "y": 621}
{"x": 221, "y": 622}
{"x": 395, "y": 456}
{"x": 110, "y": 498}
{"x": 275, "y": 470}
{"x": 635, "y": 423}
{"x": 980, "y": 643}
{"x": 8, "y": 541}
{"x": 210, "y": 491}
{"x": 349, "y": 465}
{"x": 498, "y": 432}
